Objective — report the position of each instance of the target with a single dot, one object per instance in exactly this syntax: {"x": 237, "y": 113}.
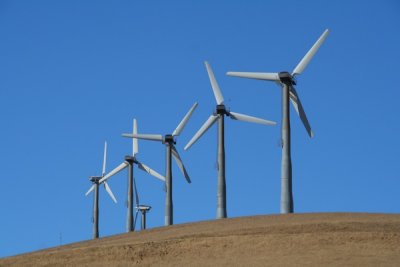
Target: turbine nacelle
{"x": 286, "y": 78}
{"x": 168, "y": 139}
{"x": 143, "y": 208}
{"x": 221, "y": 110}
{"x": 95, "y": 179}
{"x": 130, "y": 159}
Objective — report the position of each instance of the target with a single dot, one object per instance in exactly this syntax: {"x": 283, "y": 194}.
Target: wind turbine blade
{"x": 90, "y": 190}
{"x": 134, "y": 225}
{"x": 209, "y": 122}
{"x": 119, "y": 168}
{"x": 182, "y": 124}
{"x": 136, "y": 192}
{"x": 307, "y": 58}
{"x": 179, "y": 162}
{"x": 217, "y": 92}
{"x": 104, "y": 159}
{"x": 108, "y": 189}
{"x": 134, "y": 140}
{"x": 255, "y": 75}
{"x": 151, "y": 137}
{"x": 150, "y": 171}
{"x": 295, "y": 99}
{"x": 242, "y": 117}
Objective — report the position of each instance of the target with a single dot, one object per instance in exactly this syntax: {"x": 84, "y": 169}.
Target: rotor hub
{"x": 95, "y": 179}
{"x": 168, "y": 138}
{"x": 287, "y": 78}
{"x": 130, "y": 159}
{"x": 221, "y": 110}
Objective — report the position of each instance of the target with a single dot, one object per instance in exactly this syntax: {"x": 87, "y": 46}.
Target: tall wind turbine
{"x": 219, "y": 115}
{"x": 169, "y": 141}
{"x": 287, "y": 81}
{"x": 96, "y": 182}
{"x": 128, "y": 163}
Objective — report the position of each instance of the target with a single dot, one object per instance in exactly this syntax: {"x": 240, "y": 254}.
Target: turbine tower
{"x": 219, "y": 115}
{"x": 169, "y": 141}
{"x": 96, "y": 182}
{"x": 128, "y": 163}
{"x": 287, "y": 81}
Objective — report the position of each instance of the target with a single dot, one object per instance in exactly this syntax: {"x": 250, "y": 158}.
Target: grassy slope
{"x": 321, "y": 239}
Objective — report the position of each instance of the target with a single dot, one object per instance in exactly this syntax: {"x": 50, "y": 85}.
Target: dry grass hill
{"x": 321, "y": 239}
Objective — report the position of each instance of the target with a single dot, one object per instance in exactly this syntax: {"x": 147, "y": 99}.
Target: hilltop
{"x": 320, "y": 239}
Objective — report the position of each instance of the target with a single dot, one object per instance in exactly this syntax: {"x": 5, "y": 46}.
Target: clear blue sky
{"x": 75, "y": 73}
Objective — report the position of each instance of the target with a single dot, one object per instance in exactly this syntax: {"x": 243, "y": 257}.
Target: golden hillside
{"x": 320, "y": 239}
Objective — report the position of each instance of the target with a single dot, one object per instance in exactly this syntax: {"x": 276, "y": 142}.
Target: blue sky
{"x": 75, "y": 73}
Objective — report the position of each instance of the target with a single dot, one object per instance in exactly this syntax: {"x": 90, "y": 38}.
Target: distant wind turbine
{"x": 287, "y": 82}
{"x": 128, "y": 163}
{"x": 143, "y": 209}
{"x": 96, "y": 182}
{"x": 219, "y": 115}
{"x": 169, "y": 141}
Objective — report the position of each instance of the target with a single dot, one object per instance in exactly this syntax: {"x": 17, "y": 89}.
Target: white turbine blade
{"x": 119, "y": 168}
{"x": 104, "y": 159}
{"x": 307, "y": 58}
{"x": 136, "y": 192}
{"x": 151, "y": 137}
{"x": 150, "y": 171}
{"x": 217, "y": 92}
{"x": 209, "y": 122}
{"x": 294, "y": 97}
{"x": 108, "y": 189}
{"x": 242, "y": 117}
{"x": 134, "y": 140}
{"x": 134, "y": 225}
{"x": 255, "y": 75}
{"x": 182, "y": 124}
{"x": 90, "y": 190}
{"x": 179, "y": 162}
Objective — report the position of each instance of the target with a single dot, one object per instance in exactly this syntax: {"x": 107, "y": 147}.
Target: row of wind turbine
{"x": 284, "y": 79}
{"x": 128, "y": 162}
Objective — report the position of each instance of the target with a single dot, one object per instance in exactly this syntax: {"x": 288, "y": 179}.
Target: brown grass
{"x": 323, "y": 239}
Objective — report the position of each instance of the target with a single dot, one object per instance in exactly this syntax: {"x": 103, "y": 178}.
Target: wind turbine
{"x": 96, "y": 182}
{"x": 128, "y": 163}
{"x": 287, "y": 82}
{"x": 143, "y": 209}
{"x": 169, "y": 141}
{"x": 219, "y": 115}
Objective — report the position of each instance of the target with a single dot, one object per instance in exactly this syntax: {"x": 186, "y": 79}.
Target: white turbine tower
{"x": 219, "y": 115}
{"x": 287, "y": 81}
{"x": 128, "y": 163}
{"x": 96, "y": 182}
{"x": 169, "y": 141}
